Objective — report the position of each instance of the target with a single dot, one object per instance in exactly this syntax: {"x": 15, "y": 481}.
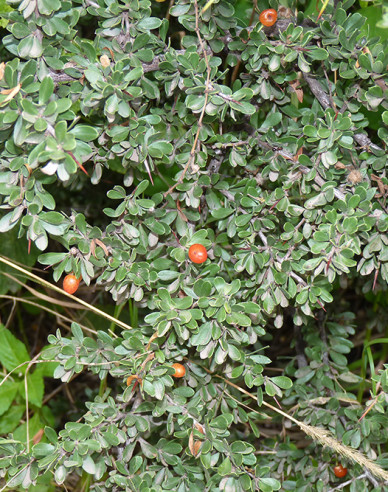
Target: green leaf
{"x": 84, "y": 132}
{"x": 60, "y": 133}
{"x": 244, "y": 93}
{"x": 202, "y": 288}
{"x": 239, "y": 319}
{"x": 30, "y": 47}
{"x": 42, "y": 449}
{"x": 35, "y": 388}
{"x": 52, "y": 217}
{"x": 12, "y": 246}
{"x": 35, "y": 424}
{"x": 225, "y": 468}
{"x": 222, "y": 213}
{"x": 203, "y": 336}
{"x": 274, "y": 63}
{"x": 269, "y": 484}
{"x": 88, "y": 465}
{"x": 51, "y": 434}
{"x": 46, "y": 90}
{"x": 148, "y": 450}
{"x": 11, "y": 419}
{"x": 160, "y": 149}
{"x": 149, "y": 23}
{"x": 329, "y": 158}
{"x": 150, "y": 88}
{"x": 148, "y": 387}
{"x": 134, "y": 74}
{"x": 270, "y": 388}
{"x": 141, "y": 187}
{"x": 272, "y": 120}
{"x": 303, "y": 64}
{"x": 346, "y": 142}
{"x": 22, "y": 477}
{"x": 234, "y": 352}
{"x": 350, "y": 225}
{"x": 93, "y": 74}
{"x": 242, "y": 447}
{"x": 20, "y": 30}
{"x": 47, "y": 7}
{"x": 13, "y": 352}
{"x": 159, "y": 389}
{"x": 60, "y": 474}
{"x": 51, "y": 258}
{"x": 195, "y": 103}
{"x": 242, "y": 107}
{"x": 167, "y": 275}
{"x": 282, "y": 381}
{"x": 260, "y": 359}
{"x": 317, "y": 53}
{"x": 8, "y": 390}
{"x": 316, "y": 201}
{"x": 135, "y": 464}
{"x": 7, "y": 222}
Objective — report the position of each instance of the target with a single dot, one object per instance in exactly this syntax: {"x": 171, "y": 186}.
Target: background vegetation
{"x": 130, "y": 131}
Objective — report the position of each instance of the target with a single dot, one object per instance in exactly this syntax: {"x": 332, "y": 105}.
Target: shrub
{"x": 129, "y": 132}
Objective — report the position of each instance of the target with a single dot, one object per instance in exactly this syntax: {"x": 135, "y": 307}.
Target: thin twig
{"x": 191, "y": 159}
{"x": 348, "y": 482}
{"x": 30, "y": 364}
{"x": 45, "y": 308}
{"x": 61, "y": 291}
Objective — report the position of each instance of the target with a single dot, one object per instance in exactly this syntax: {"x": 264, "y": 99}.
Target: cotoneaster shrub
{"x": 131, "y": 131}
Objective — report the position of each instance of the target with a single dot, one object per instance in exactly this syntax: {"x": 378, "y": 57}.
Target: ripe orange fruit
{"x": 268, "y": 17}
{"x": 197, "y": 253}
{"x": 71, "y": 283}
{"x": 180, "y": 370}
{"x": 340, "y": 471}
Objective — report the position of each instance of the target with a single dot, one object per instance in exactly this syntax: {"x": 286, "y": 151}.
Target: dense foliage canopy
{"x": 130, "y": 131}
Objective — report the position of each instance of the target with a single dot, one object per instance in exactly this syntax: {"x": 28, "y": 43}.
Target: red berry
{"x": 268, "y": 17}
{"x": 197, "y": 253}
{"x": 70, "y": 283}
{"x": 180, "y": 370}
{"x": 340, "y": 471}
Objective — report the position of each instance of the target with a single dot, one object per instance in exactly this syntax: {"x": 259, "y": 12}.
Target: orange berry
{"x": 197, "y": 253}
{"x": 180, "y": 370}
{"x": 71, "y": 283}
{"x": 340, "y": 471}
{"x": 268, "y": 17}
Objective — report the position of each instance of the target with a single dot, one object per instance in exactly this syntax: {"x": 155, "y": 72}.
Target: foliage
{"x": 130, "y": 131}
{"x": 22, "y": 384}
